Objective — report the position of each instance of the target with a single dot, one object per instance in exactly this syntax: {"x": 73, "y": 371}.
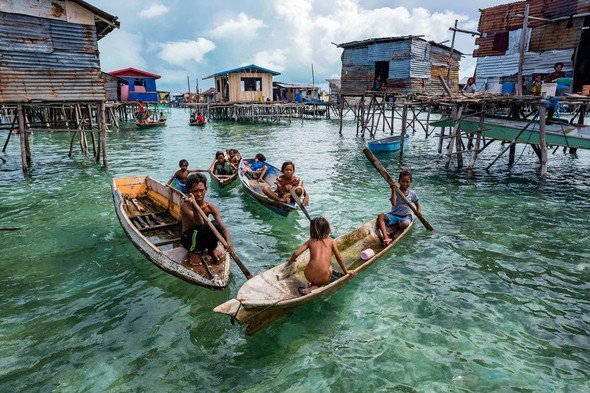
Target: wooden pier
{"x": 261, "y": 112}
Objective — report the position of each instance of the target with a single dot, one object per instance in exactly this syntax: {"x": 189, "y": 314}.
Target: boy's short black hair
{"x": 558, "y": 63}
{"x": 218, "y": 153}
{"x": 260, "y": 157}
{"x": 405, "y": 172}
{"x": 195, "y": 178}
{"x": 319, "y": 228}
{"x": 183, "y": 161}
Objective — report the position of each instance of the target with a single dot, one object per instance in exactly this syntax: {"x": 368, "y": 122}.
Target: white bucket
{"x": 367, "y": 254}
{"x": 548, "y": 89}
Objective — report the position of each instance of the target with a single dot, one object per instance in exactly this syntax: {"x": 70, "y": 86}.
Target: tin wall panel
{"x": 420, "y": 49}
{"x": 73, "y": 37}
{"x": 24, "y": 86}
{"x": 355, "y": 57}
{"x": 507, "y": 65}
{"x": 25, "y": 33}
{"x": 419, "y": 68}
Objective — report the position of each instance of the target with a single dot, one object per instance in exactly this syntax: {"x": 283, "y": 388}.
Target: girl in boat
{"x": 196, "y": 234}
{"x": 400, "y": 217}
{"x": 222, "y": 166}
{"x": 285, "y": 183}
{"x": 321, "y": 247}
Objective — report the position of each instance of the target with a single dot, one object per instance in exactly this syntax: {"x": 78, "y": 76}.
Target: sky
{"x": 194, "y": 38}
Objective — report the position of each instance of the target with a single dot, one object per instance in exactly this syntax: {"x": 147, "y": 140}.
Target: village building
{"x": 50, "y": 73}
{"x": 409, "y": 64}
{"x": 295, "y": 92}
{"x": 136, "y": 85}
{"x": 249, "y": 83}
{"x": 557, "y": 31}
{"x": 334, "y": 87}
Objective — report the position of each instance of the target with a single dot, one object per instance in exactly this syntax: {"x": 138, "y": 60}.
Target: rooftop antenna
{"x": 189, "y": 84}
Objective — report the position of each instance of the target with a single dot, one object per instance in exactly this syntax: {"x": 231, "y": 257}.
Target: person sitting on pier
{"x": 257, "y": 169}
{"x": 178, "y": 180}
{"x": 470, "y": 86}
{"x": 383, "y": 87}
{"x": 536, "y": 85}
{"x": 377, "y": 83}
{"x": 222, "y": 166}
{"x": 556, "y": 74}
{"x": 321, "y": 247}
{"x": 197, "y": 236}
{"x": 284, "y": 184}
{"x": 400, "y": 217}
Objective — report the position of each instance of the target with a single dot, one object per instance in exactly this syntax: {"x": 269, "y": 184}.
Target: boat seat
{"x": 166, "y": 241}
{"x": 158, "y": 226}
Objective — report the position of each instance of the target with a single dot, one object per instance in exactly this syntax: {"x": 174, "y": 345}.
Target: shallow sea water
{"x": 495, "y": 299}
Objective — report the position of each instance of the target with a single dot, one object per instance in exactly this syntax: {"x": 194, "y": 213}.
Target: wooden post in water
{"x": 477, "y": 139}
{"x": 22, "y": 132}
{"x": 404, "y": 128}
{"x": 521, "y": 49}
{"x": 456, "y": 116}
{"x": 543, "y": 140}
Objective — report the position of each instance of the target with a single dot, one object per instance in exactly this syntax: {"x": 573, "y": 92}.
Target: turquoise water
{"x": 495, "y": 299}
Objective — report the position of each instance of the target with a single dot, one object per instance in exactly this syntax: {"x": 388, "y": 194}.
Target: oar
{"x": 10, "y": 229}
{"x": 302, "y": 206}
{"x": 371, "y": 157}
{"x": 242, "y": 267}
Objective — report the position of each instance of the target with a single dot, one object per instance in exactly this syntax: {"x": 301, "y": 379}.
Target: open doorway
{"x": 381, "y": 73}
{"x": 582, "y": 66}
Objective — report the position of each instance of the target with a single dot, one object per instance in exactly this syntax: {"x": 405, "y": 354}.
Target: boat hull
{"x": 388, "y": 144}
{"x": 151, "y": 124}
{"x": 160, "y": 243}
{"x": 254, "y": 188}
{"x": 274, "y": 293}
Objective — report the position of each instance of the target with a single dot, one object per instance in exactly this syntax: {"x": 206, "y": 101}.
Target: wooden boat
{"x": 275, "y": 292}
{"x": 570, "y": 135}
{"x": 223, "y": 180}
{"x": 150, "y": 123}
{"x": 392, "y": 143}
{"x": 197, "y": 123}
{"x": 254, "y": 188}
{"x": 149, "y": 213}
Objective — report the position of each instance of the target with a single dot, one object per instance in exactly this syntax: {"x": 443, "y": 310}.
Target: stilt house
{"x": 409, "y": 64}
{"x": 249, "y": 83}
{"x": 49, "y": 50}
{"x": 557, "y": 31}
{"x": 136, "y": 85}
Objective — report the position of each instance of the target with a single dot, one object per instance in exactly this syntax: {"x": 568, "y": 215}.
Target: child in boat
{"x": 234, "y": 158}
{"x": 178, "y": 180}
{"x": 285, "y": 183}
{"x": 257, "y": 169}
{"x": 222, "y": 166}
{"x": 400, "y": 216}
{"x": 196, "y": 235}
{"x": 321, "y": 247}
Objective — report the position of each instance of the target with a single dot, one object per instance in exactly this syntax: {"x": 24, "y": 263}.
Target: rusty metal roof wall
{"x": 399, "y": 69}
{"x": 21, "y": 32}
{"x": 74, "y": 37}
{"x": 507, "y": 65}
{"x": 420, "y": 49}
{"x": 52, "y": 61}
{"x": 389, "y": 50}
{"x": 35, "y": 85}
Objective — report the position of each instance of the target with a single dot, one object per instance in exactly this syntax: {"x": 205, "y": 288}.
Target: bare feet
{"x": 194, "y": 260}
{"x": 387, "y": 240}
{"x": 217, "y": 255}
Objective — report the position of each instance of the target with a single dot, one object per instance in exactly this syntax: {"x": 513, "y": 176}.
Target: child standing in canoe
{"x": 400, "y": 217}
{"x": 321, "y": 247}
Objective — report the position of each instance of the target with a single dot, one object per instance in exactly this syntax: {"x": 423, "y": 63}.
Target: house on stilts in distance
{"x": 249, "y": 83}
{"x": 409, "y": 65}
{"x": 558, "y": 31}
{"x": 50, "y": 73}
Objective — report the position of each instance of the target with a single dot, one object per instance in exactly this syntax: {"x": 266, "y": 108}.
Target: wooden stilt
{"x": 404, "y": 128}
{"x": 477, "y": 141}
{"x": 543, "y": 140}
{"x": 455, "y": 114}
{"x": 22, "y": 132}
{"x": 10, "y": 131}
{"x": 103, "y": 132}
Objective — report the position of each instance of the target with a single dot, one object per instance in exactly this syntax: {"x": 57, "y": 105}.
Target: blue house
{"x": 136, "y": 85}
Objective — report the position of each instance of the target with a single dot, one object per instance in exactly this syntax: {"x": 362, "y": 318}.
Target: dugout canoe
{"x": 149, "y": 213}
{"x": 150, "y": 124}
{"x": 254, "y": 187}
{"x": 223, "y": 180}
{"x": 197, "y": 123}
{"x": 275, "y": 292}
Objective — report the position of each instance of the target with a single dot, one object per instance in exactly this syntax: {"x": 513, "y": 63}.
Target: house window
{"x": 251, "y": 84}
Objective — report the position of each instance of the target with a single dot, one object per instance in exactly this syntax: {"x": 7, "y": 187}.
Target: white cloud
{"x": 121, "y": 50}
{"x": 241, "y": 27}
{"x": 275, "y": 60}
{"x": 154, "y": 10}
{"x": 181, "y": 52}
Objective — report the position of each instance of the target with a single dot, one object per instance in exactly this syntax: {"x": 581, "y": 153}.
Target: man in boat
{"x": 141, "y": 112}
{"x": 196, "y": 234}
{"x": 200, "y": 118}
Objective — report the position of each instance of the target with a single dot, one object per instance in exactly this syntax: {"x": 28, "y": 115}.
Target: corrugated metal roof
{"x": 244, "y": 68}
{"x": 56, "y": 85}
{"x": 507, "y": 65}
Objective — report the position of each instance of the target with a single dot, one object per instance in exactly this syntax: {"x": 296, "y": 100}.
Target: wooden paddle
{"x": 371, "y": 157}
{"x": 242, "y": 267}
